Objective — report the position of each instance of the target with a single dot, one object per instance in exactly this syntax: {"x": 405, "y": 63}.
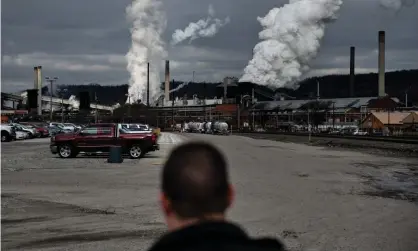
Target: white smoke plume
{"x": 149, "y": 23}
{"x": 291, "y": 39}
{"x": 74, "y": 103}
{"x": 391, "y": 4}
{"x": 179, "y": 87}
{"x": 396, "y": 5}
{"x": 203, "y": 28}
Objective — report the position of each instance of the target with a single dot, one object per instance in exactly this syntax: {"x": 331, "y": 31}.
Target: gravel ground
{"x": 310, "y": 197}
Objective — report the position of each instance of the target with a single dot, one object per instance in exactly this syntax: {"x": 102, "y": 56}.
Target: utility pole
{"x": 252, "y": 105}
{"x": 406, "y": 99}
{"x": 172, "y": 110}
{"x": 62, "y": 103}
{"x": 96, "y": 113}
{"x": 51, "y": 81}
{"x": 309, "y": 125}
{"x": 389, "y": 121}
{"x": 333, "y": 115}
{"x": 239, "y": 113}
{"x": 204, "y": 101}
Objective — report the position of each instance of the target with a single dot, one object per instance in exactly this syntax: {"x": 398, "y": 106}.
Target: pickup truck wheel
{"x": 65, "y": 151}
{"x": 136, "y": 152}
{"x": 5, "y": 136}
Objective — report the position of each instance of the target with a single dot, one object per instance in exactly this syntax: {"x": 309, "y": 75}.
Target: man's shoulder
{"x": 215, "y": 236}
{"x": 267, "y": 244}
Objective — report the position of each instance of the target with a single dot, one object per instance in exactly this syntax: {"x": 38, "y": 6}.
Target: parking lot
{"x": 310, "y": 197}
{"x": 82, "y": 199}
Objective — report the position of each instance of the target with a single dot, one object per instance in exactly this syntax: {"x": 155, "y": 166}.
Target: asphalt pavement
{"x": 312, "y": 198}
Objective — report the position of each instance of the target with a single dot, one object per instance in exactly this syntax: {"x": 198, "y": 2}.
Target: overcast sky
{"x": 84, "y": 41}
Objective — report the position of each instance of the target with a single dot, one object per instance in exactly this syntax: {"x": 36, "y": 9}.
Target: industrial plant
{"x": 245, "y": 111}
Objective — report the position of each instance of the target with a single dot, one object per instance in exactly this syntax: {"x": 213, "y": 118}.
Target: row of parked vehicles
{"x": 29, "y": 130}
{"x": 210, "y": 127}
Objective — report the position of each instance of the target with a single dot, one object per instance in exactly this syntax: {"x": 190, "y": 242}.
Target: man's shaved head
{"x": 195, "y": 180}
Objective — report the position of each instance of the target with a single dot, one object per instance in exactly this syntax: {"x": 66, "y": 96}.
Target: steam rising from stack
{"x": 291, "y": 39}
{"x": 149, "y": 23}
{"x": 203, "y": 28}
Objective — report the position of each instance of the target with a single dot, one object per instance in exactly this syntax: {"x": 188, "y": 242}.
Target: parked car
{"x": 99, "y": 138}
{"x": 21, "y": 135}
{"x": 8, "y": 133}
{"x": 74, "y": 127}
{"x": 41, "y": 130}
{"x": 68, "y": 127}
{"x": 54, "y": 130}
{"x": 30, "y": 130}
{"x": 135, "y": 128}
{"x": 359, "y": 132}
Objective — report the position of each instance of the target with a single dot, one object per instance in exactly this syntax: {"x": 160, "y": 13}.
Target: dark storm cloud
{"x": 86, "y": 41}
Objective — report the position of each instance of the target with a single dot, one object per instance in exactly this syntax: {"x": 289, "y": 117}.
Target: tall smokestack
{"x": 167, "y": 81}
{"x": 148, "y": 84}
{"x": 352, "y": 70}
{"x": 35, "y": 77}
{"x": 381, "y": 64}
{"x": 38, "y": 86}
{"x": 317, "y": 91}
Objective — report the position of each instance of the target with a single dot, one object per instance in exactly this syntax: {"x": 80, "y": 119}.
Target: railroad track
{"x": 394, "y": 139}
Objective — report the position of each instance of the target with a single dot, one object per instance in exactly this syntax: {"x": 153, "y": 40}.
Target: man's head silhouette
{"x": 195, "y": 185}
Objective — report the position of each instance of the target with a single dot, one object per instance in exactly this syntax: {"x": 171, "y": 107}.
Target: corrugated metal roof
{"x": 393, "y": 118}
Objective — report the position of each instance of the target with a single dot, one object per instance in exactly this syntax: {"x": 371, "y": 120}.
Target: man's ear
{"x": 165, "y": 203}
{"x": 231, "y": 195}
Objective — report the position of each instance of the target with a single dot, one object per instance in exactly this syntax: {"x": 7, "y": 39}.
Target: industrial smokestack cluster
{"x": 38, "y": 86}
{"x": 167, "y": 81}
{"x": 381, "y": 63}
{"x": 381, "y": 66}
{"x": 352, "y": 70}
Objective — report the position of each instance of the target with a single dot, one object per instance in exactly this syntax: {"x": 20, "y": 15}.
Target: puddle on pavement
{"x": 390, "y": 180}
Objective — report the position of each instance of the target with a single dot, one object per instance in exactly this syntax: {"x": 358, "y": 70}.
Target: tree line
{"x": 331, "y": 86}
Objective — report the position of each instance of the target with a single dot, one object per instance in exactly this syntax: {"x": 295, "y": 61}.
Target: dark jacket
{"x": 214, "y": 236}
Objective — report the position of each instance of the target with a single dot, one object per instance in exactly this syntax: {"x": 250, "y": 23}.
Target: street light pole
{"x": 62, "y": 104}
{"x": 51, "y": 81}
{"x": 309, "y": 124}
{"x": 95, "y": 99}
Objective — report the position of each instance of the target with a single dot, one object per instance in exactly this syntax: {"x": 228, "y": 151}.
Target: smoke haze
{"x": 291, "y": 39}
{"x": 203, "y": 28}
{"x": 148, "y": 24}
{"x": 396, "y": 5}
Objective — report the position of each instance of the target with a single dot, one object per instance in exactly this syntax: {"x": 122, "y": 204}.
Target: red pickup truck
{"x": 99, "y": 138}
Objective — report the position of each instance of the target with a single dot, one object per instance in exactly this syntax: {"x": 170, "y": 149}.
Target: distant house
{"x": 410, "y": 122}
{"x": 412, "y": 118}
{"x": 380, "y": 120}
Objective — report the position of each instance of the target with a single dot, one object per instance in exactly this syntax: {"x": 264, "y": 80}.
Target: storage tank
{"x": 221, "y": 127}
